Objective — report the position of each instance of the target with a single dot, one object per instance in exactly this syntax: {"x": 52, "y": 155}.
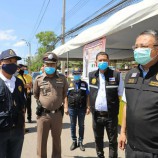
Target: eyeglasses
{"x": 144, "y": 46}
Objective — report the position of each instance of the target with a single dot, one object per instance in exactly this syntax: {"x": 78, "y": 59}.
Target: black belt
{"x": 54, "y": 111}
{"x": 102, "y": 113}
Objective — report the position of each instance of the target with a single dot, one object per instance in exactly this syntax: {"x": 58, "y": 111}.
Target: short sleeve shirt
{"x": 50, "y": 91}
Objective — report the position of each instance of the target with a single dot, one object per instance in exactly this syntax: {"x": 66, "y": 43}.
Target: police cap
{"x": 21, "y": 65}
{"x": 9, "y": 53}
{"x": 50, "y": 57}
{"x": 76, "y": 71}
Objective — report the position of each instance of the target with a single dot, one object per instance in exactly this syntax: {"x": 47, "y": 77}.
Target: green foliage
{"x": 45, "y": 39}
{"x": 75, "y": 64}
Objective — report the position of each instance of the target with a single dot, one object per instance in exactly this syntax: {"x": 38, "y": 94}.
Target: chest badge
{"x": 94, "y": 81}
{"x": 71, "y": 85}
{"x": 59, "y": 80}
{"x": 20, "y": 88}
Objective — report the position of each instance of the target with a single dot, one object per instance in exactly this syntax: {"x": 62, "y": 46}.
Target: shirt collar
{"x": 45, "y": 75}
{"x": 143, "y": 71}
{"x": 141, "y": 67}
{"x": 13, "y": 79}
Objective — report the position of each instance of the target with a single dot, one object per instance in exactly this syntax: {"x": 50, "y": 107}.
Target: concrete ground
{"x": 30, "y": 143}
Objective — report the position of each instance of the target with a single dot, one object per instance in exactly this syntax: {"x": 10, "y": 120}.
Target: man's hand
{"x": 122, "y": 141}
{"x": 66, "y": 110}
{"x": 87, "y": 111}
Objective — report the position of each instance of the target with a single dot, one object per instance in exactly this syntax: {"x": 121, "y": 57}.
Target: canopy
{"x": 120, "y": 30}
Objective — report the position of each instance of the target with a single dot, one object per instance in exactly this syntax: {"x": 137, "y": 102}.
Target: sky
{"x": 20, "y": 20}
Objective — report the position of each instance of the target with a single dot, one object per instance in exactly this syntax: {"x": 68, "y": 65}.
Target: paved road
{"x": 29, "y": 148}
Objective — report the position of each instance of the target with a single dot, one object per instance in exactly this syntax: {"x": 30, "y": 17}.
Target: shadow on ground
{"x": 80, "y": 156}
{"x": 31, "y": 130}
{"x": 92, "y": 145}
{"x": 66, "y": 125}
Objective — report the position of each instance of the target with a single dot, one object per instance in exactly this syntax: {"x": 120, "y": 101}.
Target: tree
{"x": 45, "y": 39}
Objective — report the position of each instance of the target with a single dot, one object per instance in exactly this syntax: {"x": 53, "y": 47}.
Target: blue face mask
{"x": 26, "y": 72}
{"x": 49, "y": 70}
{"x": 102, "y": 65}
{"x": 41, "y": 72}
{"x": 142, "y": 55}
{"x": 77, "y": 77}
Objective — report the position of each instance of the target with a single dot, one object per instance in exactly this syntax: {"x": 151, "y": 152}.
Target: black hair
{"x": 102, "y": 53}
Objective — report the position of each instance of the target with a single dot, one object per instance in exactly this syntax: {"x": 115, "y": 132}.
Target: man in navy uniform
{"x": 106, "y": 86}
{"x": 12, "y": 102}
{"x": 78, "y": 106}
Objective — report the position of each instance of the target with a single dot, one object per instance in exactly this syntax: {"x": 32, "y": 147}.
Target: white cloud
{"x": 7, "y": 35}
{"x": 19, "y": 44}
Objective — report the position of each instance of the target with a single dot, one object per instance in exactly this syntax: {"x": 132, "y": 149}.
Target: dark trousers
{"x": 77, "y": 113}
{"x": 11, "y": 143}
{"x": 111, "y": 125}
{"x": 28, "y": 107}
{"x": 134, "y": 153}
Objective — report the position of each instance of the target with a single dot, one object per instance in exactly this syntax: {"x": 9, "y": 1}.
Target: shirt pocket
{"x": 59, "y": 88}
{"x": 45, "y": 90}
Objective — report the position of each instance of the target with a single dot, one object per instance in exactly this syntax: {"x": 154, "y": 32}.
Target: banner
{"x": 89, "y": 55}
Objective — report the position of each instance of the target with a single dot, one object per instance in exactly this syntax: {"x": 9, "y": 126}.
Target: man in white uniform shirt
{"x": 106, "y": 86}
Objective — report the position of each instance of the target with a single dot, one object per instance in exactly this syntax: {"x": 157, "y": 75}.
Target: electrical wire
{"x": 40, "y": 20}
{"x": 118, "y": 6}
{"x": 43, "y": 4}
{"x": 96, "y": 12}
{"x": 72, "y": 12}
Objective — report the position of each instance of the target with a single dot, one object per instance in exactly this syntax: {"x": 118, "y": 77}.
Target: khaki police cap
{"x": 50, "y": 57}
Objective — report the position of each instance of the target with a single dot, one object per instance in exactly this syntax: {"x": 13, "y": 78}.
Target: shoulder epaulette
{"x": 38, "y": 76}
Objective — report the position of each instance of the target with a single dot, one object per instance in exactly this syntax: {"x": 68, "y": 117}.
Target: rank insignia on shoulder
{"x": 94, "y": 81}
{"x": 71, "y": 85}
{"x": 153, "y": 83}
{"x": 20, "y": 88}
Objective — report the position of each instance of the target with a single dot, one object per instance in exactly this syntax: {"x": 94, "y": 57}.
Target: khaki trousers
{"x": 45, "y": 123}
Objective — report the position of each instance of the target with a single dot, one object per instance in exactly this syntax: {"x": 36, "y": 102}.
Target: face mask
{"x": 49, "y": 70}
{"x": 102, "y": 65}
{"x": 41, "y": 72}
{"x": 9, "y": 68}
{"x": 142, "y": 55}
{"x": 26, "y": 72}
{"x": 77, "y": 77}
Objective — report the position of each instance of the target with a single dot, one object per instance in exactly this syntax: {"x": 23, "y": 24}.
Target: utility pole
{"x": 63, "y": 34}
{"x": 63, "y": 22}
{"x": 29, "y": 52}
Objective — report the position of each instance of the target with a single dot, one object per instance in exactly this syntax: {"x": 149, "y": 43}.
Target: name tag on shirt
{"x": 111, "y": 79}
{"x": 82, "y": 88}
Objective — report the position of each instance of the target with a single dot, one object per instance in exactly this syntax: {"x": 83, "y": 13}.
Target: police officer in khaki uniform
{"x": 50, "y": 90}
